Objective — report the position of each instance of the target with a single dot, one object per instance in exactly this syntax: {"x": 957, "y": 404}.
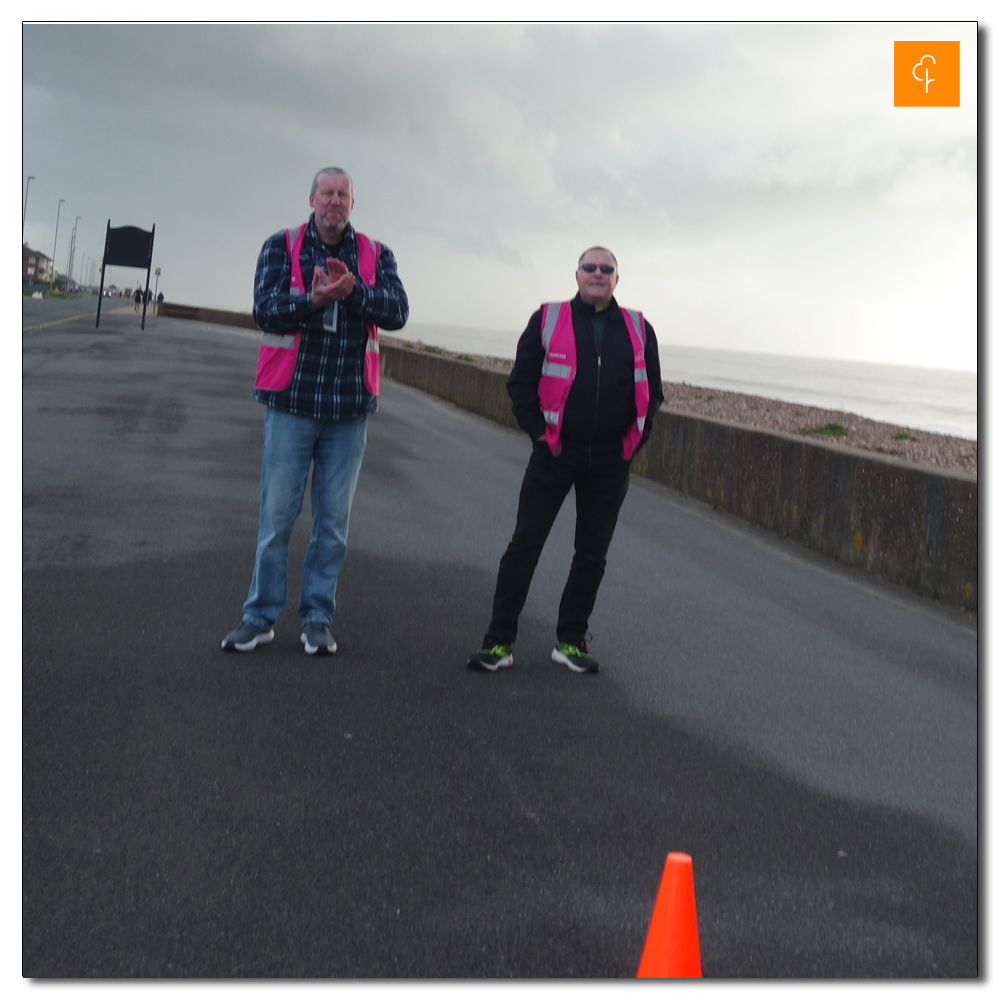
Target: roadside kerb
{"x": 905, "y": 523}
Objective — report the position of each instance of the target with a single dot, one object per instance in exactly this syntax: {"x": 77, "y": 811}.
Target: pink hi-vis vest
{"x": 559, "y": 370}
{"x": 278, "y": 351}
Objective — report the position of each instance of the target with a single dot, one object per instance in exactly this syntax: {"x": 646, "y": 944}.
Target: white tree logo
{"x": 926, "y": 79}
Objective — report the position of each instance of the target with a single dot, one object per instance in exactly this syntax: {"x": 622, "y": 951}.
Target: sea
{"x": 942, "y": 400}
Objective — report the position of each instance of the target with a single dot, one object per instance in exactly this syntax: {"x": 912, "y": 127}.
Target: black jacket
{"x": 601, "y": 403}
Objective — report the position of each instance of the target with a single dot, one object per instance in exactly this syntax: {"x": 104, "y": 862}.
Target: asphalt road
{"x": 36, "y": 313}
{"x": 807, "y": 735}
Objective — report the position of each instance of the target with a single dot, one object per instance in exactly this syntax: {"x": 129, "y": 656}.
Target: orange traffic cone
{"x": 672, "y": 950}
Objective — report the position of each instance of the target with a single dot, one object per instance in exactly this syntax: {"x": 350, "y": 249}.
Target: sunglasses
{"x": 591, "y": 268}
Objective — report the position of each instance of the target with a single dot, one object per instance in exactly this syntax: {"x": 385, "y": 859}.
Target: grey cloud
{"x": 529, "y": 118}
{"x": 486, "y": 139}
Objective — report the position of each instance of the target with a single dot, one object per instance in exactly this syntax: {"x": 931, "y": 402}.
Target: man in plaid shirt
{"x": 321, "y": 417}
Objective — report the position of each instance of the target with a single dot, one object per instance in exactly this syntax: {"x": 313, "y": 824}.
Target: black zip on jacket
{"x": 601, "y": 403}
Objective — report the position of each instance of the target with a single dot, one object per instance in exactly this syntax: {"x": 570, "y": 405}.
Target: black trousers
{"x": 600, "y": 490}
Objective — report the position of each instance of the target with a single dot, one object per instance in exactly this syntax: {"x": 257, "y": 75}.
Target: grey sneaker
{"x": 317, "y": 639}
{"x": 576, "y": 657}
{"x": 246, "y": 636}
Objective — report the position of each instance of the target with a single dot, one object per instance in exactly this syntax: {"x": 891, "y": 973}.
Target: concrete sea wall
{"x": 202, "y": 315}
{"x": 907, "y": 524}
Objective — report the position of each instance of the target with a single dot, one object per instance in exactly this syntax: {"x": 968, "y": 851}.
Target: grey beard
{"x": 338, "y": 227}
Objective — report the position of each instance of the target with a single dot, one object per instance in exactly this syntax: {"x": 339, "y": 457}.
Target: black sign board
{"x": 127, "y": 246}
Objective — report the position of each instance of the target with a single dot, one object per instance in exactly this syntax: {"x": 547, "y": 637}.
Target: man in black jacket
{"x": 588, "y": 455}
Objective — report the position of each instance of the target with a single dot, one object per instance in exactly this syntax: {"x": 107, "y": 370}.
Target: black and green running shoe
{"x": 492, "y": 655}
{"x": 575, "y": 656}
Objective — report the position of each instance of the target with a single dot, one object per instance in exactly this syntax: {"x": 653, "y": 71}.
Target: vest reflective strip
{"x": 296, "y": 285}
{"x": 640, "y": 327}
{"x": 549, "y": 324}
{"x": 551, "y": 417}
{"x": 277, "y": 339}
{"x": 372, "y": 344}
{"x": 636, "y": 327}
{"x": 553, "y": 370}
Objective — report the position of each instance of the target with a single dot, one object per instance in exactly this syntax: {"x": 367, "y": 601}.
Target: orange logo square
{"x": 925, "y": 74}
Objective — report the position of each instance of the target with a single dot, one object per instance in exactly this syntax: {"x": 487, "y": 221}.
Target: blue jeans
{"x": 291, "y": 443}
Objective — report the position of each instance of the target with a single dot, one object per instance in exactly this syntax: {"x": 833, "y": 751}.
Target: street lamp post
{"x": 157, "y": 285}
{"x": 56, "y": 240}
{"x": 24, "y": 210}
{"x": 72, "y": 251}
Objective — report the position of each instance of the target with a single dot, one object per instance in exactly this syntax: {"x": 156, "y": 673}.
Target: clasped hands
{"x": 333, "y": 285}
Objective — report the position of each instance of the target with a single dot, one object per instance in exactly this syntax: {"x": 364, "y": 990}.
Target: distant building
{"x": 35, "y": 266}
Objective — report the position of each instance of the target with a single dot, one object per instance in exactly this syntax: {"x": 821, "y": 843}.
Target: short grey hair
{"x": 605, "y": 249}
{"x": 330, "y": 170}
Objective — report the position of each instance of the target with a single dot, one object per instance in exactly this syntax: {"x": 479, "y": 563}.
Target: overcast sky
{"x": 756, "y": 183}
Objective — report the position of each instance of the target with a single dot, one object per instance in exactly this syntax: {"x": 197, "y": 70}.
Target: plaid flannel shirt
{"x": 329, "y": 380}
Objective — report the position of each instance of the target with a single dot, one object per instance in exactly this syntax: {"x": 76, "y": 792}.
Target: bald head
{"x": 604, "y": 249}
{"x": 338, "y": 171}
